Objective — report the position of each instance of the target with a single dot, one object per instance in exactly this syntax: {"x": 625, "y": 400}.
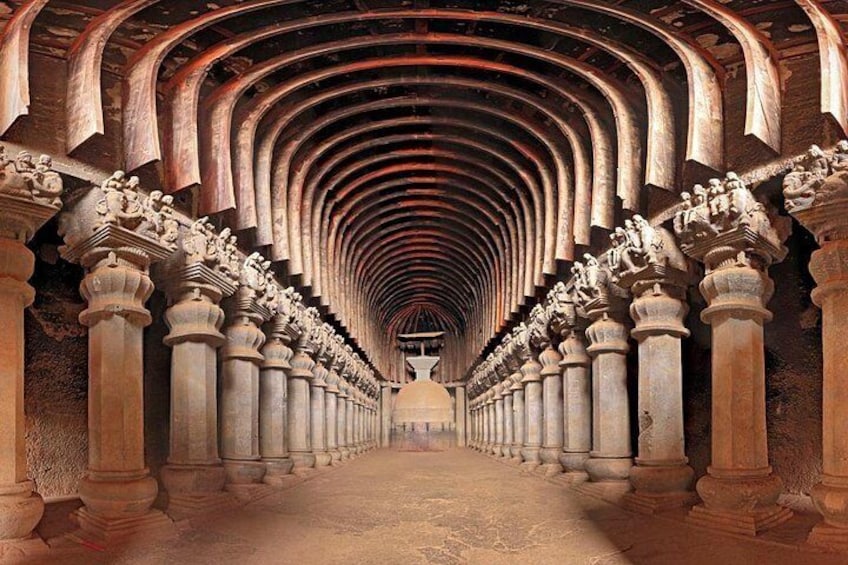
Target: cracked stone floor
{"x": 441, "y": 508}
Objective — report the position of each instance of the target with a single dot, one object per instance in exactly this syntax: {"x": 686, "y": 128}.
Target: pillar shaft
{"x": 341, "y": 422}
{"x": 661, "y": 478}
{"x": 499, "y": 424}
{"x": 194, "y": 476}
{"x": 517, "y": 419}
{"x": 533, "y": 413}
{"x": 273, "y": 401}
{"x": 611, "y": 449}
{"x": 577, "y": 399}
{"x": 350, "y": 432}
{"x": 299, "y": 411}
{"x": 552, "y": 440}
{"x": 509, "y": 437}
{"x": 461, "y": 413}
{"x": 331, "y": 409}
{"x": 829, "y": 266}
{"x": 20, "y": 508}
{"x": 317, "y": 417}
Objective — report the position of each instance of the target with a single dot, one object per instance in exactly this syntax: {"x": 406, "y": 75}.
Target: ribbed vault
{"x": 423, "y": 163}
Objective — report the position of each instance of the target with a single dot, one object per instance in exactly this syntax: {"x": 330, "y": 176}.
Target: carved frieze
{"x": 30, "y": 194}
{"x": 816, "y": 192}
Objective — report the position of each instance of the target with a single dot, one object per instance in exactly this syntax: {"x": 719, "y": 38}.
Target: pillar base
{"x": 531, "y": 455}
{"x": 107, "y": 532}
{"x": 345, "y": 452}
{"x": 739, "y": 522}
{"x": 550, "y": 461}
{"x": 275, "y": 469}
{"x": 824, "y": 536}
{"x": 193, "y": 479}
{"x": 572, "y": 478}
{"x": 660, "y": 487}
{"x": 302, "y": 460}
{"x": 549, "y": 469}
{"x": 242, "y": 472}
{"x": 515, "y": 455}
{"x": 22, "y": 550}
{"x": 574, "y": 461}
{"x": 322, "y": 458}
{"x": 335, "y": 456}
{"x": 612, "y": 469}
{"x": 182, "y": 506}
{"x": 20, "y": 511}
{"x": 649, "y": 503}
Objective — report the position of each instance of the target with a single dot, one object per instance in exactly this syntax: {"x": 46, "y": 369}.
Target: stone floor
{"x": 443, "y": 508}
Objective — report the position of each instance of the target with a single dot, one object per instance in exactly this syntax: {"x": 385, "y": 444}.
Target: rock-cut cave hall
{"x": 424, "y": 281}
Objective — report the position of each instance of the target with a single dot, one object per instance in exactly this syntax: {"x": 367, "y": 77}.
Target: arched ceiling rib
{"x": 421, "y": 164}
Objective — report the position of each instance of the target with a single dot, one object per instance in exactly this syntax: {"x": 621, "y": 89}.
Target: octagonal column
{"x": 317, "y": 416}
{"x": 22, "y": 212}
{"x": 610, "y": 457}
{"x": 497, "y": 397}
{"x": 349, "y": 424}
{"x": 662, "y": 478}
{"x": 385, "y": 414}
{"x": 489, "y": 418}
{"x": 552, "y": 408}
{"x": 824, "y": 212}
{"x": 115, "y": 233}
{"x": 739, "y": 491}
{"x": 517, "y": 418}
{"x": 240, "y": 364}
{"x": 577, "y": 400}
{"x": 508, "y": 420}
{"x": 533, "y": 413}
{"x": 196, "y": 279}
{"x": 300, "y": 446}
{"x": 341, "y": 420}
{"x": 331, "y": 411}
{"x": 273, "y": 399}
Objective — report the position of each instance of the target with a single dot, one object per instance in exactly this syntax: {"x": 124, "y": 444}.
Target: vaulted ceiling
{"x": 409, "y": 160}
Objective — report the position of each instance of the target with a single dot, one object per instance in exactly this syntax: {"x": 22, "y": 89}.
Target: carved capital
{"x": 30, "y": 194}
{"x": 244, "y": 339}
{"x": 658, "y": 313}
{"x": 816, "y": 192}
{"x": 829, "y": 267}
{"x": 737, "y": 292}
{"x": 724, "y": 225}
{"x": 573, "y": 351}
{"x": 550, "y": 360}
{"x": 195, "y": 318}
{"x": 607, "y": 335}
{"x": 115, "y": 289}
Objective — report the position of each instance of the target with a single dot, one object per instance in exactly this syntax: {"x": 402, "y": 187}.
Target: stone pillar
{"x": 829, "y": 267}
{"x": 385, "y": 414}
{"x": 331, "y": 409}
{"x": 489, "y": 419}
{"x": 662, "y": 478}
{"x": 300, "y": 445}
{"x": 461, "y": 417}
{"x": 740, "y": 491}
{"x": 356, "y": 428}
{"x": 20, "y": 507}
{"x": 317, "y": 416}
{"x": 273, "y": 401}
{"x": 577, "y": 400}
{"x": 113, "y": 232}
{"x": 240, "y": 363}
{"x": 194, "y": 476}
{"x": 350, "y": 432}
{"x": 341, "y": 420}
{"x": 472, "y": 421}
{"x": 533, "y": 413}
{"x": 497, "y": 397}
{"x": 508, "y": 427}
{"x": 552, "y": 406}
{"x": 610, "y": 458}
{"x": 517, "y": 418}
